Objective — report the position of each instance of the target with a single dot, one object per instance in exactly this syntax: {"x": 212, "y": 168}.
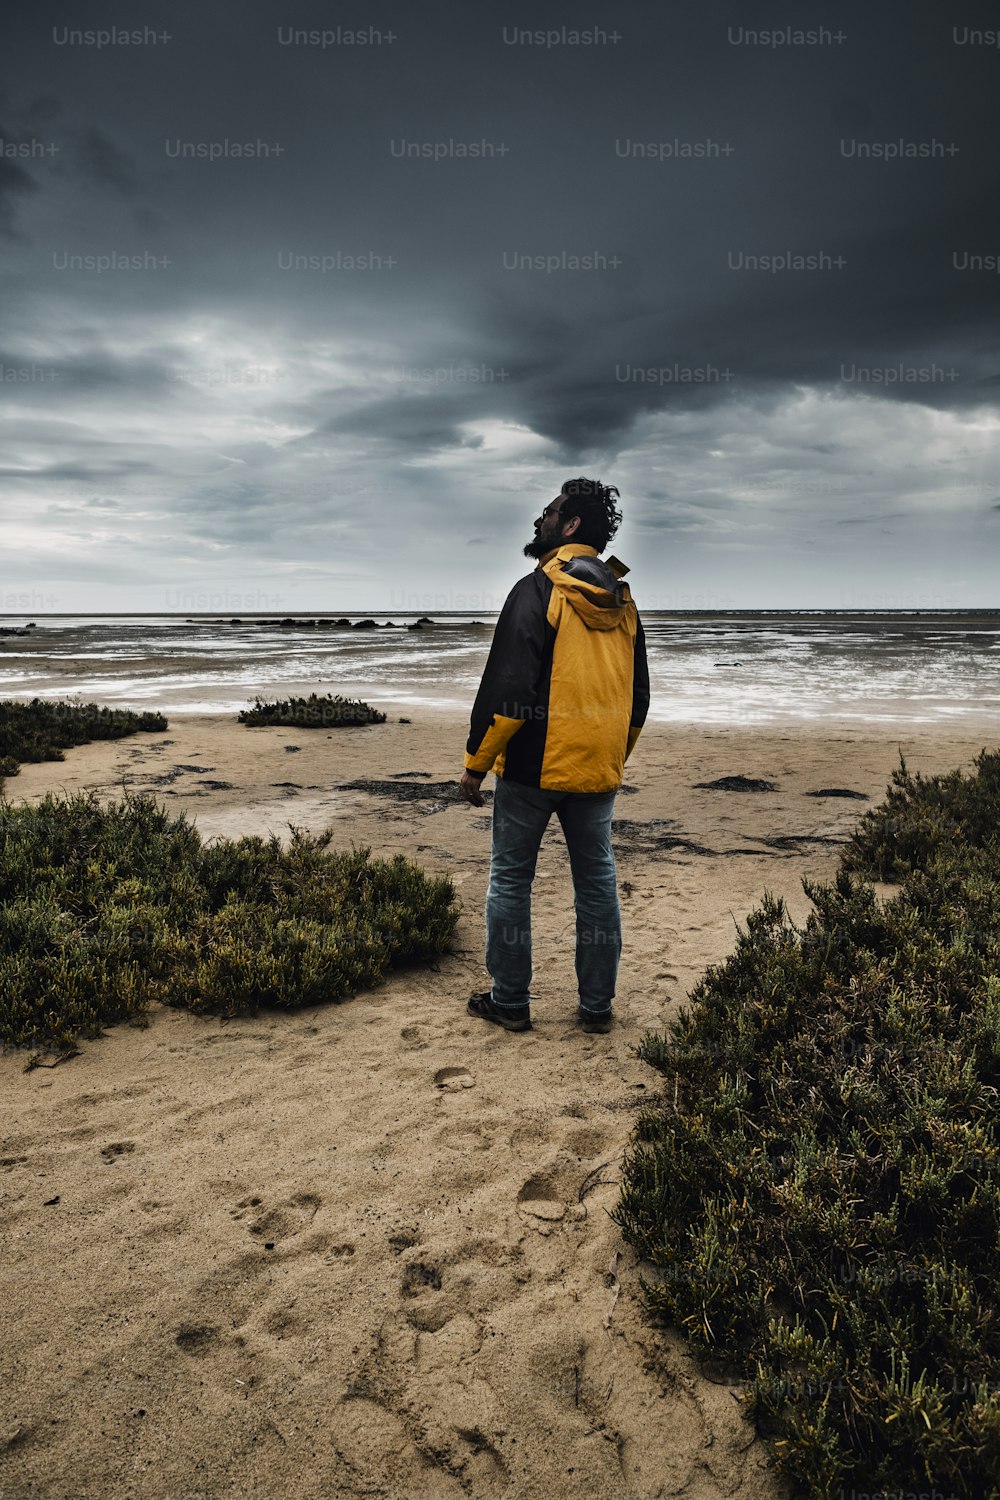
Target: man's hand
{"x": 469, "y": 789}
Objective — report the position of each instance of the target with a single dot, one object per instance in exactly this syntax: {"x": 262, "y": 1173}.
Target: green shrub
{"x": 105, "y": 908}
{"x": 42, "y": 730}
{"x": 312, "y": 713}
{"x": 818, "y": 1188}
{"x": 921, "y": 816}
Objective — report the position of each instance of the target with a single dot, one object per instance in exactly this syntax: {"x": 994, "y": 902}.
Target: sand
{"x": 365, "y": 1249}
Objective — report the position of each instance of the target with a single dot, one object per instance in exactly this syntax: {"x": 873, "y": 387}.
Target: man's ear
{"x": 570, "y": 527}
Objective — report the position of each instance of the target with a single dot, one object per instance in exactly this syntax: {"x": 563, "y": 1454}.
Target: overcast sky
{"x": 346, "y": 368}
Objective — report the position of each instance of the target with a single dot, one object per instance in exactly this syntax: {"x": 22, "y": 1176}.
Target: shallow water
{"x": 719, "y": 669}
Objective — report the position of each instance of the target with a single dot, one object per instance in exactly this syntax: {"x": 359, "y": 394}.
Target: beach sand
{"x": 365, "y": 1249}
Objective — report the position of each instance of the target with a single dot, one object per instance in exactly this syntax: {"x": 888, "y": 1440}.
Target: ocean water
{"x": 933, "y": 668}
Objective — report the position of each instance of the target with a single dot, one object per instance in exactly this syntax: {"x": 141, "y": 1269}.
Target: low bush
{"x": 312, "y": 713}
{"x": 41, "y": 730}
{"x": 106, "y": 908}
{"x": 818, "y": 1187}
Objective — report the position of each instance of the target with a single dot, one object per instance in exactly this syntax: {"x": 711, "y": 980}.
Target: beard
{"x": 541, "y": 545}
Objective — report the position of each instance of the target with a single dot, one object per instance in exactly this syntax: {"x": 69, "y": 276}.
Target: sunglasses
{"x": 552, "y": 510}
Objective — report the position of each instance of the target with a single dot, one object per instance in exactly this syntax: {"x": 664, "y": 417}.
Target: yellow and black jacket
{"x": 566, "y": 686}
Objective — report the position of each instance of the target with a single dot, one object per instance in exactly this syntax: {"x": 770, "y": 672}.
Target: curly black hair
{"x": 592, "y": 502}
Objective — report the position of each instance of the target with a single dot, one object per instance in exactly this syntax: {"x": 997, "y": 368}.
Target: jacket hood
{"x": 592, "y": 586}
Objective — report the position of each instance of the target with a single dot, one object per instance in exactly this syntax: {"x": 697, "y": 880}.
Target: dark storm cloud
{"x": 19, "y": 122}
{"x": 15, "y": 184}
{"x": 99, "y": 370}
{"x": 247, "y": 382}
{"x": 106, "y": 164}
{"x": 415, "y": 422}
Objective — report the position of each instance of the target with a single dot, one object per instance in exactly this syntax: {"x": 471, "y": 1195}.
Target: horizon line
{"x": 985, "y": 609}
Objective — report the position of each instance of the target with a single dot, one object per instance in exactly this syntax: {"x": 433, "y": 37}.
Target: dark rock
{"x": 407, "y": 791}
{"x": 838, "y": 791}
{"x": 736, "y": 784}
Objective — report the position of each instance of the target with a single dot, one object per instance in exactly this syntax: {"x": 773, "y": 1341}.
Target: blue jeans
{"x": 520, "y": 816}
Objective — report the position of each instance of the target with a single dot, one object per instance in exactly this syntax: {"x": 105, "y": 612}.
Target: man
{"x": 559, "y": 709}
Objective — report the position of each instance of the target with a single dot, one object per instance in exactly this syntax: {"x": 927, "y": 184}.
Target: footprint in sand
{"x": 418, "y": 1276}
{"x": 540, "y": 1197}
{"x": 228, "y": 1295}
{"x": 284, "y": 1322}
{"x": 338, "y": 1254}
{"x": 284, "y": 1220}
{"x": 453, "y": 1079}
{"x": 588, "y": 1142}
{"x": 72, "y": 1109}
{"x": 115, "y": 1149}
{"x": 464, "y": 1136}
{"x": 196, "y": 1338}
{"x": 424, "y": 1305}
{"x": 240, "y": 1210}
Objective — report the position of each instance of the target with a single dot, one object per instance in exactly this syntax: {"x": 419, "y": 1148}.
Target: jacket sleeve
{"x": 640, "y": 688}
{"x": 510, "y": 682}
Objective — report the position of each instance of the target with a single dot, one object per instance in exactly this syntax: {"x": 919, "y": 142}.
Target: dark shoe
{"x": 511, "y": 1020}
{"x": 589, "y": 1020}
